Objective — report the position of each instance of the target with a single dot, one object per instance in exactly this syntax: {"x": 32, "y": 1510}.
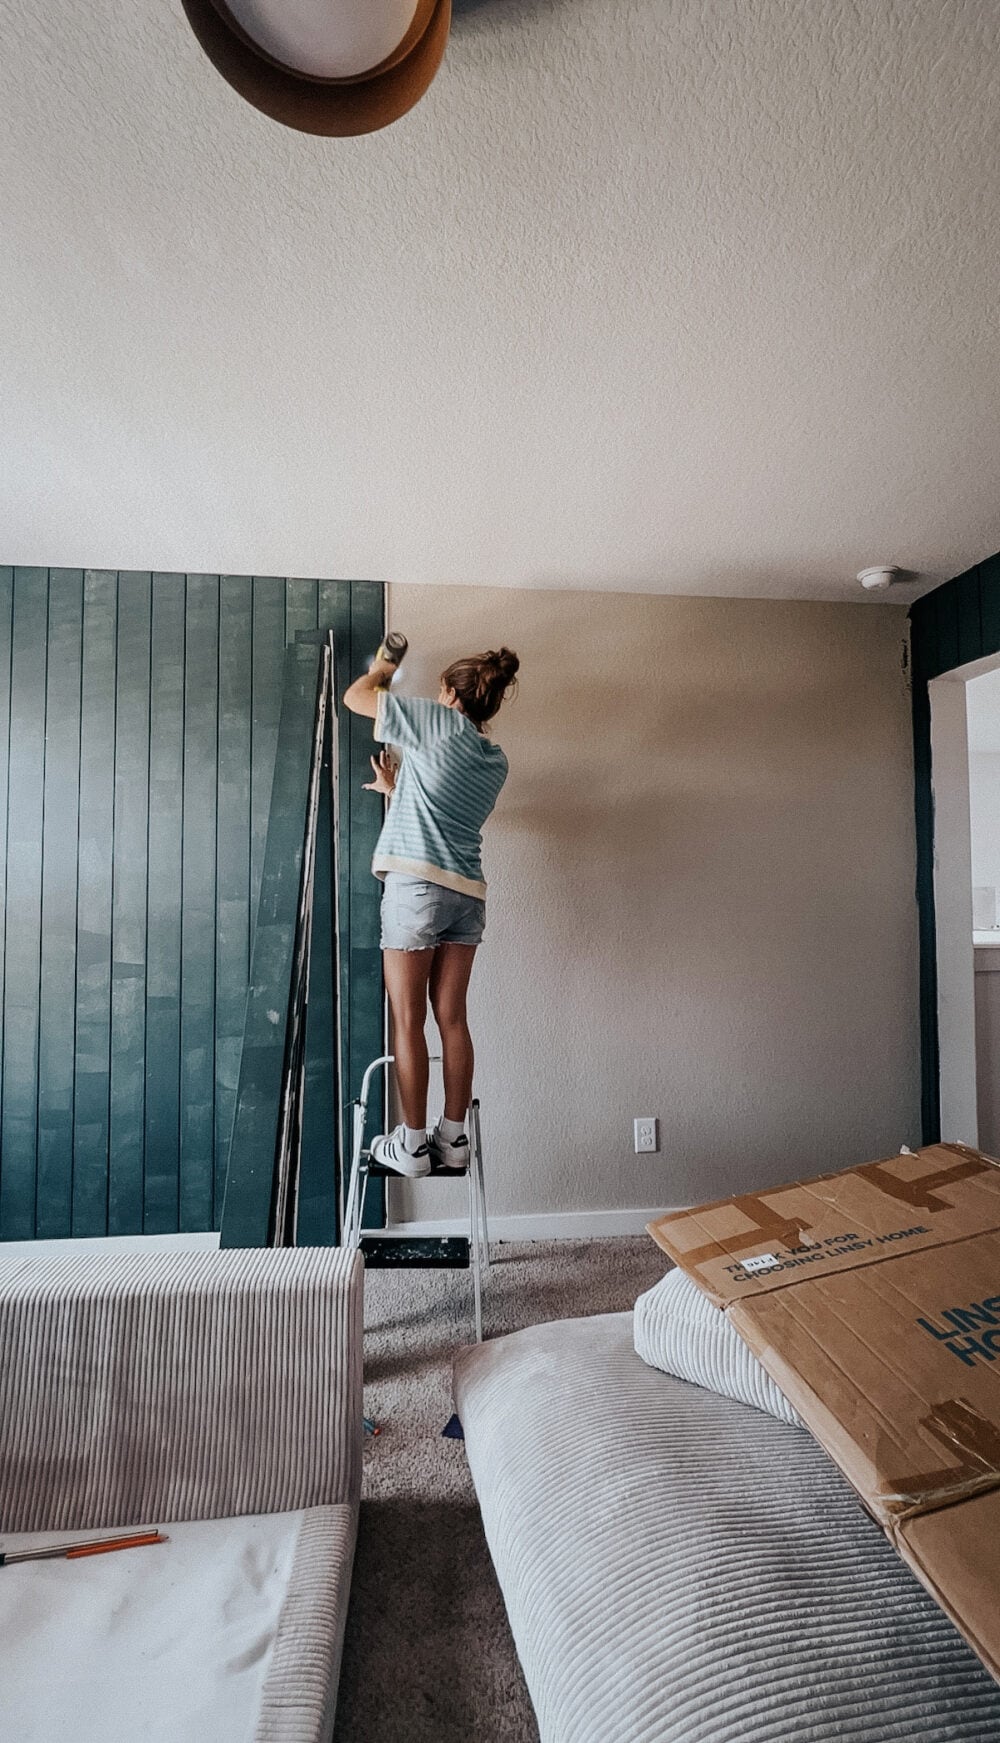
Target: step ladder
{"x": 363, "y": 1168}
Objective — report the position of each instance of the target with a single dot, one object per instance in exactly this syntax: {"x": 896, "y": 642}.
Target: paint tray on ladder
{"x": 872, "y": 1298}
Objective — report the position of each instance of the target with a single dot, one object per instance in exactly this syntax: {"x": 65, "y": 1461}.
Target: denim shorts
{"x": 417, "y": 915}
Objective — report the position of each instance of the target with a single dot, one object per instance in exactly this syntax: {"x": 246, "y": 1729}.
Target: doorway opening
{"x": 965, "y": 766}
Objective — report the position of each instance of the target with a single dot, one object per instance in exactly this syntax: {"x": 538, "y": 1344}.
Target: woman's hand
{"x": 385, "y": 776}
{"x": 362, "y": 697}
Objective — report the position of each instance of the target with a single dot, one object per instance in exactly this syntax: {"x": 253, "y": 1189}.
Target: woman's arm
{"x": 362, "y": 697}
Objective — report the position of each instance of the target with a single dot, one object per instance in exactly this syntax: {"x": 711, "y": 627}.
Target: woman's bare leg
{"x": 406, "y": 974}
{"x": 449, "y": 983}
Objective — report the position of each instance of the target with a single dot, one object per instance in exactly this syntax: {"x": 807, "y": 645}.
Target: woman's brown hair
{"x": 482, "y": 681}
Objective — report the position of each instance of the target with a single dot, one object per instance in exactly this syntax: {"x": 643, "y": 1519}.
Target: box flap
{"x": 761, "y": 1242}
{"x": 872, "y": 1298}
{"x": 896, "y": 1369}
{"x": 955, "y": 1555}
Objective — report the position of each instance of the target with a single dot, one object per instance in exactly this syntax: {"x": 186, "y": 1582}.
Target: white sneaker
{"x": 454, "y": 1157}
{"x": 389, "y": 1150}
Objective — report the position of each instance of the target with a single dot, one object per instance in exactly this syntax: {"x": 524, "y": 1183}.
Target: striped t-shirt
{"x": 448, "y": 783}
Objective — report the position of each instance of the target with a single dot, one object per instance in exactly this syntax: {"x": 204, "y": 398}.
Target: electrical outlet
{"x": 647, "y": 1136}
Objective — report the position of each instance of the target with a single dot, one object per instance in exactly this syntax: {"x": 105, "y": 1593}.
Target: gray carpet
{"x": 428, "y": 1655}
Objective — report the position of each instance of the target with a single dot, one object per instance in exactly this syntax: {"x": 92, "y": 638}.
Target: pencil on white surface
{"x": 72, "y": 1551}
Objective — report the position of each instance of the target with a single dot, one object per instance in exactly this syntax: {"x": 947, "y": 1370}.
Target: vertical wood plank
{"x": 945, "y": 602}
{"x": 923, "y": 617}
{"x": 247, "y": 1211}
{"x": 163, "y": 941}
{"x": 197, "y": 1158}
{"x": 268, "y": 654}
{"x": 6, "y": 628}
{"x": 300, "y": 607}
{"x": 335, "y": 613}
{"x": 93, "y": 908}
{"x": 334, "y": 610}
{"x": 969, "y": 625}
{"x": 318, "y": 1193}
{"x": 923, "y": 624}
{"x": 128, "y": 916}
{"x": 60, "y": 869}
{"x": 366, "y": 1000}
{"x": 24, "y": 900}
{"x": 989, "y": 604}
{"x": 232, "y": 945}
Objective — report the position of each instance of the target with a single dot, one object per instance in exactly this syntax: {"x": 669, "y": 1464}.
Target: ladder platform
{"x": 378, "y": 1171}
{"x": 432, "y": 1253}
{"x": 395, "y": 1248}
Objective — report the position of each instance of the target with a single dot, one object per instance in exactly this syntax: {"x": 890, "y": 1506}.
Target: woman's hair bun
{"x": 507, "y": 664}
{"x": 482, "y": 681}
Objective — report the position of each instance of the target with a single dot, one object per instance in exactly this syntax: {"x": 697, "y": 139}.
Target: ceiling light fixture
{"x": 333, "y": 67}
{"x": 879, "y": 576}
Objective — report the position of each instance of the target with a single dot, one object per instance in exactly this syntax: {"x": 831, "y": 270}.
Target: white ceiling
{"x": 693, "y": 296}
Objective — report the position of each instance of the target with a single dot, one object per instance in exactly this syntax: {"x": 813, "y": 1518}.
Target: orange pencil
{"x": 93, "y": 1546}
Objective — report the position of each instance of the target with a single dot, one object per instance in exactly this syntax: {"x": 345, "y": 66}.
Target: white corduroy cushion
{"x": 678, "y": 1330}
{"x": 680, "y": 1569}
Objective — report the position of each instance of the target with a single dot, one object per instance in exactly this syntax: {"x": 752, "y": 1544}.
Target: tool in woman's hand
{"x": 393, "y": 649}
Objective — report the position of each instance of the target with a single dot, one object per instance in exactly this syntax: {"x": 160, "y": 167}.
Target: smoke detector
{"x": 879, "y": 576}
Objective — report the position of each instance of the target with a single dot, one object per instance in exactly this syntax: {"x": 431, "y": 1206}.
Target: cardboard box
{"x": 872, "y": 1298}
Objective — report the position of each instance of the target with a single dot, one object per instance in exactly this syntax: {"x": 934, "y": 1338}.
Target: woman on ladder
{"x": 433, "y": 899}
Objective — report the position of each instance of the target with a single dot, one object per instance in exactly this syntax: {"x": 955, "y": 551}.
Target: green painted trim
{"x": 952, "y": 626}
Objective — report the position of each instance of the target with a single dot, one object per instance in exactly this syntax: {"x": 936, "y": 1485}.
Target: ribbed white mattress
{"x": 679, "y": 1568}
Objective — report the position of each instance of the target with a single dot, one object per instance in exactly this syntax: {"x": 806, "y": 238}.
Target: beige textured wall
{"x": 701, "y": 893}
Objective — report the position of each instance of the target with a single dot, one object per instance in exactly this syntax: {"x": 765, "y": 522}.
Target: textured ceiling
{"x": 693, "y": 296}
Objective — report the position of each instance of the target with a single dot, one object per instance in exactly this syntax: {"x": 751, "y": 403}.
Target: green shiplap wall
{"x": 138, "y": 722}
{"x": 950, "y": 627}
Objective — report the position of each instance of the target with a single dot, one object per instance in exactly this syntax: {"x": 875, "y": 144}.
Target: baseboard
{"x": 567, "y": 1225}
